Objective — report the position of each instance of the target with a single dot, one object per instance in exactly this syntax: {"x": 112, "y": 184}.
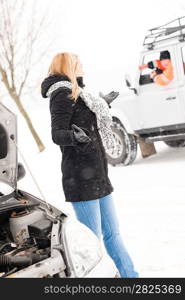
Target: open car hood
{"x": 8, "y": 150}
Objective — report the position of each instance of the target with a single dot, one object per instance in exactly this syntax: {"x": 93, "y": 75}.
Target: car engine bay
{"x": 25, "y": 236}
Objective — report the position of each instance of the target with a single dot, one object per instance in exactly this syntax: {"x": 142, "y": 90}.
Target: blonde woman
{"x": 80, "y": 125}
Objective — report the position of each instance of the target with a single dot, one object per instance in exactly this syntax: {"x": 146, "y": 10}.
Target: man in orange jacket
{"x": 163, "y": 73}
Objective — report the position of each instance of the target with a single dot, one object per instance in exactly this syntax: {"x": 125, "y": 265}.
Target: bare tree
{"x": 21, "y": 49}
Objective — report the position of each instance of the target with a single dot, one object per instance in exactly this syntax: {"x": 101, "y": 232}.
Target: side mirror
{"x": 129, "y": 83}
{"x": 128, "y": 80}
{"x": 21, "y": 172}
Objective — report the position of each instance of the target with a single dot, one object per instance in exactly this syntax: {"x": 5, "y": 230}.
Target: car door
{"x": 158, "y": 106}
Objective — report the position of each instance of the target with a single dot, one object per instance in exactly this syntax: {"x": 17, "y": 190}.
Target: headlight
{"x": 82, "y": 247}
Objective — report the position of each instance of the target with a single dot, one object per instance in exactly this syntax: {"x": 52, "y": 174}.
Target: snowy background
{"x": 150, "y": 194}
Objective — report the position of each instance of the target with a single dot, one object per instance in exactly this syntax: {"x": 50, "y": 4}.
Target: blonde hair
{"x": 65, "y": 64}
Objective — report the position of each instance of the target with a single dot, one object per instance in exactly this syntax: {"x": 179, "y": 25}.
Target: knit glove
{"x": 109, "y": 98}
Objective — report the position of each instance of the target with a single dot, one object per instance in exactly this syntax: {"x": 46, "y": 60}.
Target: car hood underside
{"x": 8, "y": 150}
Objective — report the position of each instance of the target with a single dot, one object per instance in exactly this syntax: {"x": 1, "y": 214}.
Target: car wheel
{"x": 126, "y": 145}
{"x": 176, "y": 144}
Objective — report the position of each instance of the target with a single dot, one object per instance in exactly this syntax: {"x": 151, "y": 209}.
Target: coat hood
{"x": 8, "y": 150}
{"x": 51, "y": 79}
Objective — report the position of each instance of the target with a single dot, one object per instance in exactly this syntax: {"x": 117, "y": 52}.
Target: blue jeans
{"x": 100, "y": 216}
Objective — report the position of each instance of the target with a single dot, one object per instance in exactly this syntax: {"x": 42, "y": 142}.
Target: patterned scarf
{"x": 97, "y": 105}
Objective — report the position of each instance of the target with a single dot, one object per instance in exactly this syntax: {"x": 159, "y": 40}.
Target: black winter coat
{"x": 84, "y": 166}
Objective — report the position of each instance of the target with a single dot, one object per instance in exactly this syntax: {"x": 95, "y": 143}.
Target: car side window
{"x": 157, "y": 68}
{"x": 3, "y": 143}
{"x": 145, "y": 73}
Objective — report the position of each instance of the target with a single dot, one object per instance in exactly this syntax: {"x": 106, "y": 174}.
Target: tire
{"x": 176, "y": 144}
{"x": 126, "y": 146}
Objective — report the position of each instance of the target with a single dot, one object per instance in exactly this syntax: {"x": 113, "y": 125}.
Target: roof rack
{"x": 167, "y": 31}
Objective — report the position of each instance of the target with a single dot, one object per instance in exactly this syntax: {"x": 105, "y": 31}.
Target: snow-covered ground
{"x": 149, "y": 196}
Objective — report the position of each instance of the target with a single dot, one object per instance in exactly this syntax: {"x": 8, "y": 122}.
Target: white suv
{"x": 150, "y": 111}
